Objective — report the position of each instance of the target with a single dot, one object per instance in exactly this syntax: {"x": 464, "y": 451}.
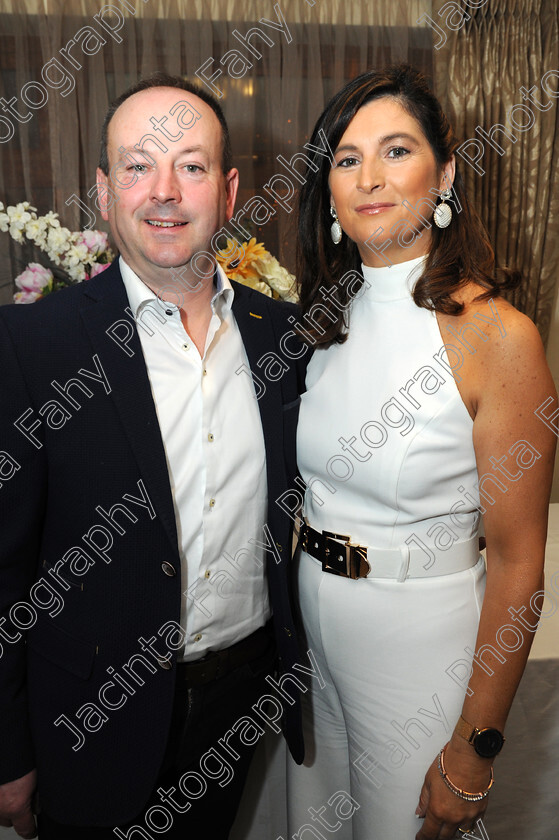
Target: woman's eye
{"x": 348, "y": 161}
{"x": 398, "y": 152}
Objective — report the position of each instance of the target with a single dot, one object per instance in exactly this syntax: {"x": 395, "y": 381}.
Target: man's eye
{"x": 192, "y": 167}
{"x": 136, "y": 167}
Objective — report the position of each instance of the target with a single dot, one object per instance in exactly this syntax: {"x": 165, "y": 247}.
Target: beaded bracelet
{"x": 463, "y": 794}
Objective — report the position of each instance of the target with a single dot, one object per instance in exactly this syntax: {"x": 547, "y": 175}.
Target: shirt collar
{"x": 140, "y": 295}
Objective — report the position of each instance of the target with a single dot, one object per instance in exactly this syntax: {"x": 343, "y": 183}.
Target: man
{"x": 140, "y": 508}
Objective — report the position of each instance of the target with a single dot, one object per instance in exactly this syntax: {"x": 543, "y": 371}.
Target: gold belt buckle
{"x": 344, "y": 559}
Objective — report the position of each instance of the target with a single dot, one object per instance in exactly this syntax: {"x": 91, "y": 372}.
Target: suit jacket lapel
{"x": 104, "y": 309}
{"x": 257, "y": 332}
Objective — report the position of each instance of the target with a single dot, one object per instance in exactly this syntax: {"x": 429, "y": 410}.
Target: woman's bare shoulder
{"x": 497, "y": 351}
{"x": 494, "y": 328}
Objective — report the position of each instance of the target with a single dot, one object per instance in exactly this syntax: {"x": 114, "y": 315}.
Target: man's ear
{"x": 231, "y": 187}
{"x": 104, "y": 193}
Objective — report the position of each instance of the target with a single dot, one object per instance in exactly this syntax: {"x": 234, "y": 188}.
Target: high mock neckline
{"x": 393, "y": 282}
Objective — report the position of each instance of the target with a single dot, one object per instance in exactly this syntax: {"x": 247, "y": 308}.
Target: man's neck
{"x": 192, "y": 294}
{"x": 195, "y": 308}
{"x": 196, "y": 321}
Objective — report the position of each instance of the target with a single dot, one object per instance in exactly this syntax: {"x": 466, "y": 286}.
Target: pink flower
{"x": 97, "y": 268}
{"x": 95, "y": 241}
{"x": 35, "y": 279}
{"x": 26, "y": 297}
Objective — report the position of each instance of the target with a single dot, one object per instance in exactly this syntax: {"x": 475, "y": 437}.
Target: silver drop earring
{"x": 336, "y": 229}
{"x": 442, "y": 215}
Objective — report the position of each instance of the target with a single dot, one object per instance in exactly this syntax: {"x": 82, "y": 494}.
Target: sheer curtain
{"x": 480, "y": 53}
{"x": 500, "y": 67}
{"x": 271, "y": 107}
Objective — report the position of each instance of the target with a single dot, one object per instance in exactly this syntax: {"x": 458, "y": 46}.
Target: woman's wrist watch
{"x": 486, "y": 742}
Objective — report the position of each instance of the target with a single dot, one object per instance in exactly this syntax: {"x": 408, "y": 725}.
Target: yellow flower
{"x": 238, "y": 260}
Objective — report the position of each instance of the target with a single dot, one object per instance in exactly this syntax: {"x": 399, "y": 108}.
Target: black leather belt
{"x": 337, "y": 554}
{"x": 219, "y": 663}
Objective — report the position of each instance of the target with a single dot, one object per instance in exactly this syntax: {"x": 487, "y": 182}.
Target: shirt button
{"x": 186, "y": 346}
{"x": 197, "y": 637}
{"x": 210, "y": 437}
{"x": 169, "y": 569}
{"x": 164, "y": 663}
{"x": 212, "y": 503}
{"x": 207, "y": 574}
{"x": 205, "y": 372}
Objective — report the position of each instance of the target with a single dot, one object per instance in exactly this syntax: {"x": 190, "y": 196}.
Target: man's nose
{"x": 165, "y": 185}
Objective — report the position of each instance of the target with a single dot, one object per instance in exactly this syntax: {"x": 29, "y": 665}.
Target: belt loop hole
{"x": 405, "y": 564}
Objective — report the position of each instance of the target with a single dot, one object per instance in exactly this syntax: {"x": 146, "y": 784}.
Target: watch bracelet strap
{"x": 468, "y": 732}
{"x": 465, "y": 729}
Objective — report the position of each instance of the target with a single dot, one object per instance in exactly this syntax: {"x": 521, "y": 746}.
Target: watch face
{"x": 488, "y": 742}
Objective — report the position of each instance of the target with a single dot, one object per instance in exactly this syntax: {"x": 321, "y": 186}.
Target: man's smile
{"x": 157, "y": 223}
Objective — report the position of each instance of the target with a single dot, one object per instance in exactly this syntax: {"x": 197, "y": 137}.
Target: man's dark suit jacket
{"x": 90, "y": 450}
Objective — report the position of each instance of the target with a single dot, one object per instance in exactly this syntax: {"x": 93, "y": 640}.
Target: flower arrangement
{"x": 75, "y": 256}
{"x": 80, "y": 255}
{"x": 257, "y": 268}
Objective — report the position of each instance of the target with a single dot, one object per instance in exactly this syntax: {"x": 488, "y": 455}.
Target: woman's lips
{"x": 373, "y": 209}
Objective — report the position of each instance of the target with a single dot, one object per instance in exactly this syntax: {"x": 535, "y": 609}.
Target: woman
{"x": 419, "y": 414}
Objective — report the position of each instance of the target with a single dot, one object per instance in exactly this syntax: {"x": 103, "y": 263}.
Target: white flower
{"x": 19, "y": 216}
{"x": 258, "y": 285}
{"x": 75, "y": 255}
{"x": 16, "y": 233}
{"x": 4, "y": 222}
{"x": 36, "y": 228}
{"x": 59, "y": 239}
{"x": 278, "y": 278}
{"x": 76, "y": 272}
{"x": 51, "y": 219}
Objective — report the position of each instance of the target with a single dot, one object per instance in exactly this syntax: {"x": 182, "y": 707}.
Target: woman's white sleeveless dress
{"x": 385, "y": 449}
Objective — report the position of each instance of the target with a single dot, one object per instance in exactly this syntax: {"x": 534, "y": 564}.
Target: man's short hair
{"x": 161, "y": 79}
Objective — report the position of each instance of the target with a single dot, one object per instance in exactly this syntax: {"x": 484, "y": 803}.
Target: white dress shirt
{"x": 214, "y": 445}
